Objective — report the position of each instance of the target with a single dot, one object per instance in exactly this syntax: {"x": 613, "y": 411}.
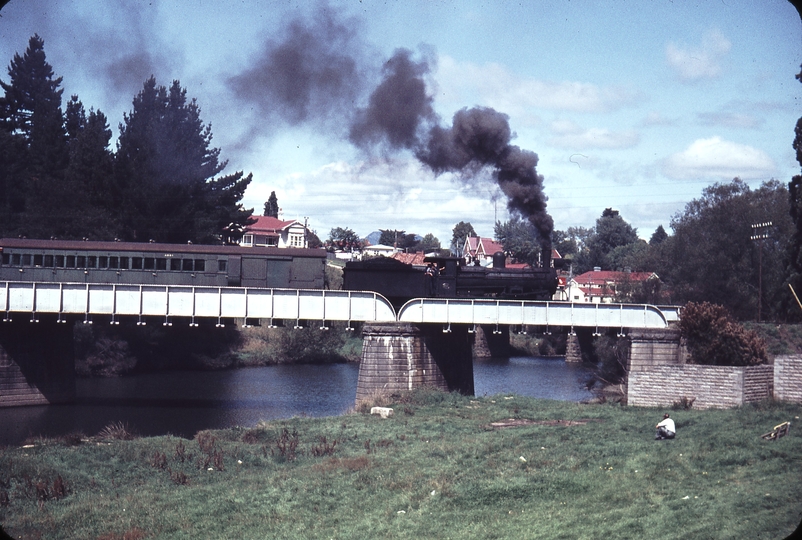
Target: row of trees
{"x": 59, "y": 177}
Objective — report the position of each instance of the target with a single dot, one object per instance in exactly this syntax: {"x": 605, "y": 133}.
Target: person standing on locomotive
{"x": 430, "y": 276}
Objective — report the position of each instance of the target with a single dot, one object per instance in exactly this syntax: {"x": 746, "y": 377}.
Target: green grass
{"x": 434, "y": 470}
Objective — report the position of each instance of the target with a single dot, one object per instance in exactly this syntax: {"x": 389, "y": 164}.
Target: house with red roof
{"x": 481, "y": 249}
{"x": 604, "y": 286}
{"x": 268, "y": 231}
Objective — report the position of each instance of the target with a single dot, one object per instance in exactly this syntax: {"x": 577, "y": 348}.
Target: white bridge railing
{"x": 449, "y": 311}
{"x": 169, "y": 301}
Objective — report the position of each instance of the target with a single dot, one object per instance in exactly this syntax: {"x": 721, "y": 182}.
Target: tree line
{"x": 60, "y": 178}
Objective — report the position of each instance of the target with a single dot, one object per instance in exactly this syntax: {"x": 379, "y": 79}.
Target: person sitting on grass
{"x": 665, "y": 429}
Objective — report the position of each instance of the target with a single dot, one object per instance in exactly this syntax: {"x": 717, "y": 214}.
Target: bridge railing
{"x": 118, "y": 300}
{"x": 141, "y": 301}
{"x": 526, "y": 312}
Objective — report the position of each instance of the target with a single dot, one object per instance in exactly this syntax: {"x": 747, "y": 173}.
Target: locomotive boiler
{"x": 453, "y": 278}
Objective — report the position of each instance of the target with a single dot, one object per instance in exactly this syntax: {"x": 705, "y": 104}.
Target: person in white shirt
{"x": 665, "y": 429}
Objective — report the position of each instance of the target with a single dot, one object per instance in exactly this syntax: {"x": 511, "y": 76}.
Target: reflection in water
{"x": 183, "y": 403}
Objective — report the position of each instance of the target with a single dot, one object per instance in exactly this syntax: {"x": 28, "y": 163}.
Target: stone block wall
{"x": 709, "y": 386}
{"x": 788, "y": 378}
{"x": 654, "y": 347}
{"x": 399, "y": 357}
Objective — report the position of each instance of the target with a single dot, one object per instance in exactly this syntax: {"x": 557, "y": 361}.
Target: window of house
{"x": 247, "y": 239}
{"x": 272, "y": 242}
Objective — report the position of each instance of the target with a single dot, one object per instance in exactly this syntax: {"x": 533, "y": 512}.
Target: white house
{"x": 379, "y": 250}
{"x": 603, "y": 286}
{"x": 273, "y": 232}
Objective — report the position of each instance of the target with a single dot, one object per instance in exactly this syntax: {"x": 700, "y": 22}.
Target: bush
{"x": 715, "y": 338}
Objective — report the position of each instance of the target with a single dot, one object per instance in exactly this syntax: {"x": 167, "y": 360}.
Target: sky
{"x": 416, "y": 115}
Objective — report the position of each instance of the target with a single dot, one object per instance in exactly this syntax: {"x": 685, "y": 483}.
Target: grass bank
{"x": 438, "y": 468}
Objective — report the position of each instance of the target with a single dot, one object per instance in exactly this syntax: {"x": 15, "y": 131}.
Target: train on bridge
{"x": 450, "y": 277}
{"x": 78, "y": 261}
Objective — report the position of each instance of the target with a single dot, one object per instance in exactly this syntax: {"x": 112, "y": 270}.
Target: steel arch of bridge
{"x": 167, "y": 301}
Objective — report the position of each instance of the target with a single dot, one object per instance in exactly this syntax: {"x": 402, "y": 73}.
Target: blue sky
{"x": 636, "y": 106}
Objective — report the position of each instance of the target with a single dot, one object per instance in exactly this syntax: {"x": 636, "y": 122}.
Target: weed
{"x": 158, "y": 460}
{"x": 206, "y": 441}
{"x": 117, "y": 431}
{"x": 59, "y": 490}
{"x": 287, "y": 445}
{"x": 324, "y": 448}
{"x": 179, "y": 478}
{"x": 180, "y": 452}
{"x": 684, "y": 402}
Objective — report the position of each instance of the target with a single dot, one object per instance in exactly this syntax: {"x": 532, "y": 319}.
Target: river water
{"x": 183, "y": 403}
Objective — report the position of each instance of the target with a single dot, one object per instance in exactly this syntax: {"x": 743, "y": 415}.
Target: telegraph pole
{"x": 760, "y": 231}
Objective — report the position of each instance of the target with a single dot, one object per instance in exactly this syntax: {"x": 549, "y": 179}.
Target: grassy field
{"x": 437, "y": 469}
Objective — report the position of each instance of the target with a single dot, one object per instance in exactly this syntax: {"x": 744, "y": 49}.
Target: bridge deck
{"x": 116, "y": 301}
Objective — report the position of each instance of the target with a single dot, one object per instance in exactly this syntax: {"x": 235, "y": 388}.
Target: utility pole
{"x": 760, "y": 231}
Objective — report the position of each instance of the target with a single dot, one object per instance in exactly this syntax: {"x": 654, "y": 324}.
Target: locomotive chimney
{"x": 499, "y": 260}
{"x": 545, "y": 257}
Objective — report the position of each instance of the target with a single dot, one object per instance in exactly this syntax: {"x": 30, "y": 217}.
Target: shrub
{"x": 715, "y": 338}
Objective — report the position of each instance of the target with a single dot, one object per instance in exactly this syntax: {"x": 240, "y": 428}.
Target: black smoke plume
{"x": 400, "y": 115}
{"x": 315, "y": 73}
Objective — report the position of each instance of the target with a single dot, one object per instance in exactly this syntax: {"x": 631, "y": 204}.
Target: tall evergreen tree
{"x": 271, "y": 206}
{"x": 33, "y": 122}
{"x": 166, "y": 171}
{"x": 89, "y": 175}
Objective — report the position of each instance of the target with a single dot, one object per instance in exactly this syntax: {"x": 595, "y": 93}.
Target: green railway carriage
{"x": 161, "y": 264}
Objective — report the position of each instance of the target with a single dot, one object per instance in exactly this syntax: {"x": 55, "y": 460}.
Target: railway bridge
{"x": 425, "y": 342}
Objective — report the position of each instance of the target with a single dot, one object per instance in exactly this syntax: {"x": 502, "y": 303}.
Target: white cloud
{"x": 508, "y": 92}
{"x": 702, "y": 62}
{"x": 568, "y": 134}
{"x": 720, "y": 159}
{"x": 386, "y": 194}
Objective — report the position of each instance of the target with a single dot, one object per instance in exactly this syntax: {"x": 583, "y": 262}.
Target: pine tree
{"x": 271, "y": 206}
{"x": 34, "y": 142}
{"x": 166, "y": 171}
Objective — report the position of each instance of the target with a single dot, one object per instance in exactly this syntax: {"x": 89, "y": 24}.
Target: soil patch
{"x": 519, "y": 422}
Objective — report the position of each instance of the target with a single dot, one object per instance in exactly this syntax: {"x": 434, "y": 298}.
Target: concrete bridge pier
{"x": 399, "y": 357}
{"x": 37, "y": 362}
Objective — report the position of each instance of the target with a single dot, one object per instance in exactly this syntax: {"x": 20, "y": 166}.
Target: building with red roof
{"x": 268, "y": 231}
{"x": 604, "y": 286}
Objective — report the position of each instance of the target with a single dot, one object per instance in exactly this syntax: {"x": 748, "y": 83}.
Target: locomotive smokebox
{"x": 499, "y": 260}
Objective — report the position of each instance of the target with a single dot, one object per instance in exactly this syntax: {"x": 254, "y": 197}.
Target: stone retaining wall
{"x": 788, "y": 378}
{"x": 708, "y": 386}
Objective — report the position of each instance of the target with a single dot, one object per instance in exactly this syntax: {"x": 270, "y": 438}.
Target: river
{"x": 183, "y": 403}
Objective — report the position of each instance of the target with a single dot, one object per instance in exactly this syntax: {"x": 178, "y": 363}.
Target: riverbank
{"x": 441, "y": 467}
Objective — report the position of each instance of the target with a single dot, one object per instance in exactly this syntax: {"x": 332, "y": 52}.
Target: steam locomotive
{"x": 162, "y": 264}
{"x": 453, "y": 278}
